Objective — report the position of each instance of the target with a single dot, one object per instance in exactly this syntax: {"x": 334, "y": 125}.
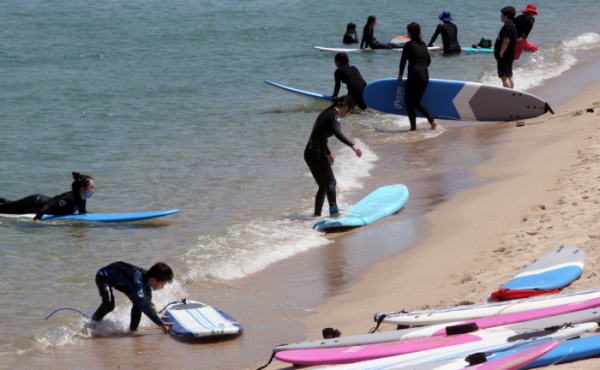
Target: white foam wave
{"x": 349, "y": 169}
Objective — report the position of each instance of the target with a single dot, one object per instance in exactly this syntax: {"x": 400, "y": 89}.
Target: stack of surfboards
{"x": 506, "y": 335}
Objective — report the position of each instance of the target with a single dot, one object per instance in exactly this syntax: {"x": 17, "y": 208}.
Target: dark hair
{"x": 509, "y": 11}
{"x": 80, "y": 180}
{"x": 341, "y": 59}
{"x": 161, "y": 272}
{"x": 342, "y": 101}
{"x": 415, "y": 31}
{"x": 350, "y": 26}
{"x": 371, "y": 19}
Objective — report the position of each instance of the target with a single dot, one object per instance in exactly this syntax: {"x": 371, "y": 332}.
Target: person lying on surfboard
{"x": 318, "y": 156}
{"x": 349, "y": 75}
{"x": 369, "y": 41}
{"x": 63, "y": 204}
{"x": 351, "y": 36}
{"x": 484, "y": 43}
{"x": 137, "y": 284}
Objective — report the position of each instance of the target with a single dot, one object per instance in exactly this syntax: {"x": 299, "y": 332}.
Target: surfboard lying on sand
{"x": 101, "y": 217}
{"x": 457, "y": 100}
{"x": 193, "y": 319}
{"x": 452, "y": 314}
{"x": 341, "y": 50}
{"x": 301, "y": 92}
{"x": 382, "y": 202}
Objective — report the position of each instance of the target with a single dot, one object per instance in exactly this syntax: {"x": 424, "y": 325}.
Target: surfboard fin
{"x": 548, "y": 109}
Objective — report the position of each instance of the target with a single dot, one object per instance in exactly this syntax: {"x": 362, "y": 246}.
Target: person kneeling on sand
{"x": 137, "y": 284}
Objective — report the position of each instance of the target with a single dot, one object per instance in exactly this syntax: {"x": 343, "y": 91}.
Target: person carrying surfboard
{"x": 449, "y": 33}
{"x": 369, "y": 41}
{"x": 349, "y": 75}
{"x": 351, "y": 36}
{"x": 318, "y": 156}
{"x": 504, "y": 49}
{"x": 416, "y": 53}
{"x": 137, "y": 284}
{"x": 524, "y": 24}
{"x": 63, "y": 204}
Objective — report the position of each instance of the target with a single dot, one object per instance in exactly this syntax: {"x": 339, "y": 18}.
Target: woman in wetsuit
{"x": 351, "y": 36}
{"x": 64, "y": 204}
{"x": 318, "y": 156}
{"x": 349, "y": 75}
{"x": 416, "y": 53}
{"x": 369, "y": 41}
{"x": 449, "y": 33}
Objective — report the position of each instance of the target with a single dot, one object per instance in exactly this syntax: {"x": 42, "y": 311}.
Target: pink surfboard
{"x": 514, "y": 362}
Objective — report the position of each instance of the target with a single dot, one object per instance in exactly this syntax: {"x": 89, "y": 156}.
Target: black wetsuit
{"x": 350, "y": 75}
{"x": 449, "y": 33}
{"x": 133, "y": 282}
{"x": 63, "y": 204}
{"x": 524, "y": 24}
{"x": 315, "y": 155}
{"x": 348, "y": 39}
{"x": 417, "y": 55}
{"x": 369, "y": 41}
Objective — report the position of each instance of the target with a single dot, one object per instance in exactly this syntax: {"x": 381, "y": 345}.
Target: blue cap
{"x": 445, "y": 16}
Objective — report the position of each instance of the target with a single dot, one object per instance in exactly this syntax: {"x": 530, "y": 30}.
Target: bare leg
{"x": 506, "y": 82}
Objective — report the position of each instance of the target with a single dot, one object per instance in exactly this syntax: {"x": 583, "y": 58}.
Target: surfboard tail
{"x": 548, "y": 109}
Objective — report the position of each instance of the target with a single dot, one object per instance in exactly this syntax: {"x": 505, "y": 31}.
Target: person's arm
{"x": 46, "y": 208}
{"x": 338, "y": 83}
{"x": 142, "y": 300}
{"x": 364, "y": 39}
{"x": 82, "y": 210}
{"x": 337, "y": 131}
{"x": 435, "y": 35}
{"x": 528, "y": 28}
{"x": 428, "y": 57}
{"x": 403, "y": 59}
{"x": 504, "y": 46}
{"x": 355, "y": 37}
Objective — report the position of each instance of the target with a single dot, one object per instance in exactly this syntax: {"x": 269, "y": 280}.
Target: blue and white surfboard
{"x": 193, "y": 319}
{"x": 301, "y": 92}
{"x": 457, "y": 100}
{"x": 382, "y": 202}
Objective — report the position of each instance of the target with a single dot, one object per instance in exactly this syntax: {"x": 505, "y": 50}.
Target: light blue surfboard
{"x": 457, "y": 100}
{"x": 301, "y": 92}
{"x": 112, "y": 217}
{"x": 382, "y": 202}
{"x": 554, "y": 269}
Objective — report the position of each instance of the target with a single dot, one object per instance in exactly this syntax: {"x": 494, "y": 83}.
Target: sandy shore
{"x": 545, "y": 194}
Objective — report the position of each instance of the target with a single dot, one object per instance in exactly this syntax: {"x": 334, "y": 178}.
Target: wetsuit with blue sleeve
{"x": 133, "y": 282}
{"x": 63, "y": 204}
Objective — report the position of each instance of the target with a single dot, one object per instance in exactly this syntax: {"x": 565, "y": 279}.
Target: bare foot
{"x": 433, "y": 125}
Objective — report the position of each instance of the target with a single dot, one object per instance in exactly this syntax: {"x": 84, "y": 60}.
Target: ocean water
{"x": 164, "y": 104}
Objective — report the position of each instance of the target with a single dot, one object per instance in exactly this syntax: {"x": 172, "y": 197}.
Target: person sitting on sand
{"x": 63, "y": 204}
{"x": 351, "y": 36}
{"x": 137, "y": 284}
{"x": 449, "y": 33}
{"x": 369, "y": 41}
{"x": 524, "y": 24}
{"x": 349, "y": 75}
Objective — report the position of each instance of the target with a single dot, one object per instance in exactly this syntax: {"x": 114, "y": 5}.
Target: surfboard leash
{"x": 66, "y": 308}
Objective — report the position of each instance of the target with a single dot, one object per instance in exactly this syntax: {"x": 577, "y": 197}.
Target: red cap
{"x": 530, "y": 8}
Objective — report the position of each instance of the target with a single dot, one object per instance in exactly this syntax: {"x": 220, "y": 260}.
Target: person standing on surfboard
{"x": 369, "y": 41}
{"x": 351, "y": 36}
{"x": 318, "y": 156}
{"x": 349, "y": 75}
{"x": 416, "y": 53}
{"x": 524, "y": 24}
{"x": 504, "y": 49}
{"x": 63, "y": 204}
{"x": 449, "y": 33}
{"x": 137, "y": 284}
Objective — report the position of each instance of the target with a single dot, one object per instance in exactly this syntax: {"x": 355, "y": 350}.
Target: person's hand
{"x": 330, "y": 157}
{"x": 166, "y": 326}
{"x": 400, "y": 80}
{"x": 33, "y": 220}
{"x": 357, "y": 151}
{"x": 479, "y": 47}
{"x": 501, "y": 54}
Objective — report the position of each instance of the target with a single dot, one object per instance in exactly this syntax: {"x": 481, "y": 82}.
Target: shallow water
{"x": 164, "y": 105}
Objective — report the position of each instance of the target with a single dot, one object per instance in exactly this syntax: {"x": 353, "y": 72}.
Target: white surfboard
{"x": 193, "y": 319}
{"x": 340, "y": 50}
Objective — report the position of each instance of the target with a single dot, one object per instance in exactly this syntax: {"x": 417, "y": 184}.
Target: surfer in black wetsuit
{"x": 349, "y": 75}
{"x": 416, "y": 53}
{"x": 318, "y": 156}
{"x": 348, "y": 36}
{"x": 64, "y": 204}
{"x": 449, "y": 33}
{"x": 369, "y": 41}
{"x": 137, "y": 284}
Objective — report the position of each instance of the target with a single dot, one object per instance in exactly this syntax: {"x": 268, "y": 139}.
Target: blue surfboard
{"x": 382, "y": 202}
{"x": 112, "y": 217}
{"x": 301, "y": 92}
{"x": 554, "y": 269}
{"x": 457, "y": 100}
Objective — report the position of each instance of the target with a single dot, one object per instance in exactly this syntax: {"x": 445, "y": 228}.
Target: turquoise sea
{"x": 164, "y": 105}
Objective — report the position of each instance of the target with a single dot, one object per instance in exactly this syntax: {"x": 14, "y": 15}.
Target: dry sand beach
{"x": 545, "y": 193}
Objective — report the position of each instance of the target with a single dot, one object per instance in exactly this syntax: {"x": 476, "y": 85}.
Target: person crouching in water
{"x": 349, "y": 75}
{"x": 137, "y": 284}
{"x": 318, "y": 156}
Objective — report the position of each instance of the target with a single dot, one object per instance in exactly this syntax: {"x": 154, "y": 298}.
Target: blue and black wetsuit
{"x": 133, "y": 282}
{"x": 64, "y": 204}
{"x": 315, "y": 155}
